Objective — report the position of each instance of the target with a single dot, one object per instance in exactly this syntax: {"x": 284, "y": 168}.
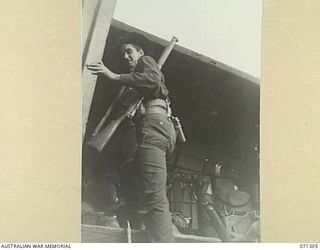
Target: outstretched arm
{"x": 100, "y": 68}
{"x": 147, "y": 79}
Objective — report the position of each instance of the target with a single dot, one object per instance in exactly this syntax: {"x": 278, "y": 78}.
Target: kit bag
{"x": 235, "y": 210}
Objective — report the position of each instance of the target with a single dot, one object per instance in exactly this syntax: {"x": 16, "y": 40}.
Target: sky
{"x": 228, "y": 31}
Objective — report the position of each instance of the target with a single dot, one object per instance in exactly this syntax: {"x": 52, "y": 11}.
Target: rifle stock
{"x": 103, "y": 136}
{"x": 107, "y": 114}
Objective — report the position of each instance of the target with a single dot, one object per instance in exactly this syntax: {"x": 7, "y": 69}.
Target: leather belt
{"x": 156, "y": 106}
{"x": 156, "y": 110}
{"x": 156, "y": 102}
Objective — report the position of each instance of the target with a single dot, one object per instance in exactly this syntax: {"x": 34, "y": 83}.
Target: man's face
{"x": 131, "y": 55}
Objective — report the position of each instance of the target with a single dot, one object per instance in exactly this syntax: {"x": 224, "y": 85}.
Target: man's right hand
{"x": 100, "y": 68}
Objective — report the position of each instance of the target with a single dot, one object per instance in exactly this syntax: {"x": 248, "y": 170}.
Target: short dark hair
{"x": 138, "y": 40}
{"x": 137, "y": 47}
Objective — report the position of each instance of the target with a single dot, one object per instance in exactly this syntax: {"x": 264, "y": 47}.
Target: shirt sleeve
{"x": 147, "y": 79}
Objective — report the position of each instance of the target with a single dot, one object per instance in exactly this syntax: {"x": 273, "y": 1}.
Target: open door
{"x": 96, "y": 20}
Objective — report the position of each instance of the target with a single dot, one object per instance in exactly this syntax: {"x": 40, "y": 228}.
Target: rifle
{"x": 101, "y": 136}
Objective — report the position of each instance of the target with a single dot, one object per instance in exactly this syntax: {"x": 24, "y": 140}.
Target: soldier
{"x": 146, "y": 194}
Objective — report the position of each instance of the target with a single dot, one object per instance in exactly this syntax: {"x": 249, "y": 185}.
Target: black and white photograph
{"x": 159, "y": 121}
{"x": 171, "y": 121}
